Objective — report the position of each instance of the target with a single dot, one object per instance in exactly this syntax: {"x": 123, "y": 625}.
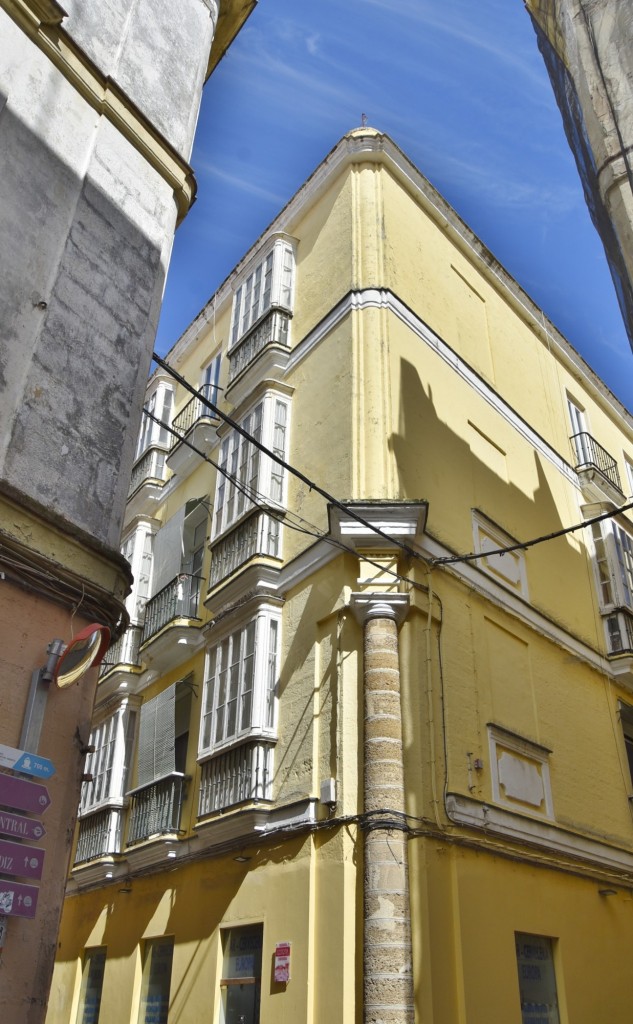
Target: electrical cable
{"x": 406, "y": 548}
{"x": 286, "y": 465}
{"x": 451, "y": 559}
{"x": 282, "y": 511}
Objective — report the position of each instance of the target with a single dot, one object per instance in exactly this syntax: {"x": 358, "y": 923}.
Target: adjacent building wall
{"x": 98, "y": 107}
{"x": 586, "y": 45}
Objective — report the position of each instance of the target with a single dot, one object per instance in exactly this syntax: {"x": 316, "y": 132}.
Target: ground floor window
{"x": 91, "y": 985}
{"x": 537, "y": 979}
{"x": 156, "y": 982}
{"x": 241, "y": 974}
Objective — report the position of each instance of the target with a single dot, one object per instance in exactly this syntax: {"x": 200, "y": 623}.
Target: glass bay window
{"x": 240, "y": 688}
{"x": 248, "y": 475}
{"x": 268, "y": 284}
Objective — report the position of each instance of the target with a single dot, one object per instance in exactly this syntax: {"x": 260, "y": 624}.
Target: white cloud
{"x": 238, "y": 182}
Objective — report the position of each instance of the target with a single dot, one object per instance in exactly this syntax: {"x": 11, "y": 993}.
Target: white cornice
{"x": 463, "y": 810}
{"x": 366, "y": 145}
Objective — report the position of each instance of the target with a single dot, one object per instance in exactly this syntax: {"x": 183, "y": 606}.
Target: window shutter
{"x": 157, "y": 738}
{"x": 168, "y": 551}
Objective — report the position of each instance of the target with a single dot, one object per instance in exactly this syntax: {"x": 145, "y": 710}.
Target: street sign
{"x": 22, "y": 794}
{"x": 22, "y": 761}
{"x": 21, "y": 860}
{"x": 23, "y": 828}
{"x": 17, "y": 899}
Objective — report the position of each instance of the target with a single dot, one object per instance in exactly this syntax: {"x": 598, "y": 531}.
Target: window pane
{"x": 154, "y": 1006}
{"x": 242, "y": 960}
{"x": 537, "y": 980}
{"x": 91, "y": 986}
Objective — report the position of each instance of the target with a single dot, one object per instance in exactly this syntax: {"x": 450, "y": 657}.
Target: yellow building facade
{"x": 364, "y": 753}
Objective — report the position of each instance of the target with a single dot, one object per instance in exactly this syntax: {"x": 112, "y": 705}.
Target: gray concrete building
{"x": 98, "y": 109}
{"x": 587, "y": 46}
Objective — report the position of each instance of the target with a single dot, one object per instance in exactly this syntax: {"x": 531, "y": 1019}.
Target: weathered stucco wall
{"x": 157, "y": 52}
{"x": 86, "y": 225}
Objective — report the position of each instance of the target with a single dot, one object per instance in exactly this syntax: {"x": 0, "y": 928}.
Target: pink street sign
{"x": 17, "y": 900}
{"x": 22, "y": 794}
{"x": 19, "y": 859}
{"x": 21, "y": 828}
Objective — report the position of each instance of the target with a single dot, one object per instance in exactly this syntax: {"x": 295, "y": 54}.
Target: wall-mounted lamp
{"x": 241, "y": 859}
{"x": 607, "y": 892}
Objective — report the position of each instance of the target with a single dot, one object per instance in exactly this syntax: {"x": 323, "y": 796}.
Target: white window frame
{"x": 518, "y": 769}
{"x": 256, "y": 477}
{"x": 210, "y": 379}
{"x": 110, "y": 762}
{"x": 137, "y": 547}
{"x": 266, "y": 283}
{"x": 613, "y": 564}
{"x": 241, "y": 670}
{"x": 628, "y": 465}
{"x": 508, "y": 569}
{"x": 579, "y": 425}
{"x": 160, "y": 402}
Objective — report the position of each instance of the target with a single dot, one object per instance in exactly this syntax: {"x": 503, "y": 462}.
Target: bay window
{"x": 247, "y": 474}
{"x": 613, "y": 557}
{"x": 109, "y": 763}
{"x": 241, "y": 684}
{"x": 159, "y": 405}
{"x": 267, "y": 285}
{"x": 613, "y": 546}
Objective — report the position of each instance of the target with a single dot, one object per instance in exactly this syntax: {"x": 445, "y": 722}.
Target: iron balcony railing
{"x": 99, "y": 835}
{"x": 272, "y": 330}
{"x": 124, "y": 651}
{"x": 180, "y": 599}
{"x": 589, "y": 454}
{"x": 155, "y": 808}
{"x": 240, "y": 774}
{"x": 193, "y": 411}
{"x": 257, "y": 535}
{"x": 151, "y": 466}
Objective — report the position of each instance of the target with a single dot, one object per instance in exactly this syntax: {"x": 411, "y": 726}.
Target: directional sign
{"x": 22, "y": 828}
{"x": 22, "y": 794}
{"x": 21, "y": 860}
{"x": 17, "y": 899}
{"x": 29, "y": 764}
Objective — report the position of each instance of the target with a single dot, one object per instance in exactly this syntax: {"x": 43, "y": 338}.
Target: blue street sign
{"x": 28, "y": 764}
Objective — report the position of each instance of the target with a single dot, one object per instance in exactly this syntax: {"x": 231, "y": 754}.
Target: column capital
{"x": 379, "y": 606}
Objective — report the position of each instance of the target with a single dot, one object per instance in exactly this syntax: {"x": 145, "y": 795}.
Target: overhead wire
{"x": 286, "y": 465}
{"x": 337, "y": 503}
{"x": 279, "y": 512}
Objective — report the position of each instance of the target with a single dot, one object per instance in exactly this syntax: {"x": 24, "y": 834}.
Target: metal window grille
{"x": 238, "y": 775}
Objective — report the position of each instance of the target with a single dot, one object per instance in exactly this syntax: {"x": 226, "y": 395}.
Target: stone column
{"x": 387, "y": 970}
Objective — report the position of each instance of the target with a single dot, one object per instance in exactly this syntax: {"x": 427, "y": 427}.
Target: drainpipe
{"x": 387, "y": 961}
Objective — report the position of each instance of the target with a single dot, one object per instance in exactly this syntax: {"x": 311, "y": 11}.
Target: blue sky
{"x": 461, "y": 87}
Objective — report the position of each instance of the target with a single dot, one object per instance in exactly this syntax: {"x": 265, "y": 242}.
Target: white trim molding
{"x": 463, "y": 810}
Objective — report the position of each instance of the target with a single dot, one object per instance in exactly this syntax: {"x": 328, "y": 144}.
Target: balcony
{"x": 197, "y": 424}
{"x": 155, "y": 809}
{"x": 149, "y": 475}
{"x": 172, "y": 624}
{"x": 124, "y": 652}
{"x": 180, "y": 599}
{"x": 99, "y": 835}
{"x": 238, "y": 775}
{"x": 257, "y": 535}
{"x": 597, "y": 470}
{"x": 267, "y": 342}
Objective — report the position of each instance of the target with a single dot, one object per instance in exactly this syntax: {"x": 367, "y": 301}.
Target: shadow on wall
{"x": 81, "y": 294}
{"x": 450, "y": 471}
